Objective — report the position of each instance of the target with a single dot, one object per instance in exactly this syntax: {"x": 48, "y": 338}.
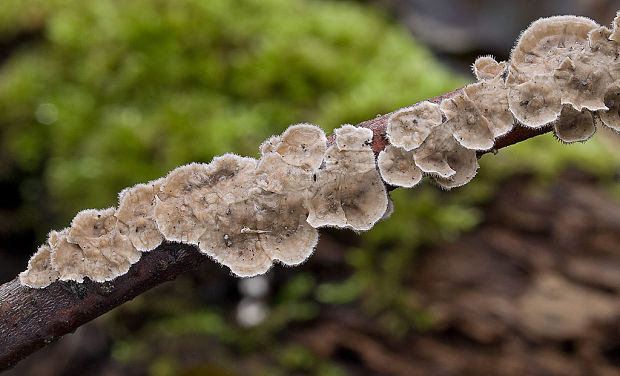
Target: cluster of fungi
{"x": 246, "y": 213}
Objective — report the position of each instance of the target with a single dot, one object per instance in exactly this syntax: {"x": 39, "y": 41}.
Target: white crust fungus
{"x": 443, "y": 157}
{"x": 615, "y": 35}
{"x": 611, "y": 117}
{"x": 491, "y": 99}
{"x": 246, "y": 214}
{"x": 348, "y": 191}
{"x": 106, "y": 250}
{"x": 573, "y": 125}
{"x": 211, "y": 205}
{"x": 397, "y": 167}
{"x": 408, "y": 127}
{"x": 487, "y": 68}
{"x": 40, "y": 272}
{"x": 535, "y": 103}
{"x": 193, "y": 194}
{"x": 135, "y": 210}
{"x": 544, "y": 45}
{"x": 303, "y": 145}
{"x": 469, "y": 127}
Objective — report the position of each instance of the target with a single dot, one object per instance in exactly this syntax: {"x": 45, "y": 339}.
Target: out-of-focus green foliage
{"x": 115, "y": 93}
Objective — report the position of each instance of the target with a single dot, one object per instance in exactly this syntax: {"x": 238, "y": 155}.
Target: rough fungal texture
{"x": 246, "y": 214}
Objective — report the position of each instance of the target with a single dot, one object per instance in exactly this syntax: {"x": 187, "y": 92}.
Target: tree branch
{"x": 32, "y": 318}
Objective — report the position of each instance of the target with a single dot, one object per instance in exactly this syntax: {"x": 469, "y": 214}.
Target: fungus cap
{"x": 351, "y": 138}
{"x": 444, "y": 158}
{"x": 270, "y": 145}
{"x": 465, "y": 164}
{"x": 348, "y": 191}
{"x": 40, "y": 272}
{"x": 191, "y": 194}
{"x": 280, "y": 210}
{"x": 274, "y": 175}
{"x": 535, "y": 103}
{"x": 397, "y": 167}
{"x": 487, "y": 68}
{"x": 573, "y": 125}
{"x": 285, "y": 234}
{"x": 491, "y": 99}
{"x": 469, "y": 127}
{"x": 104, "y": 243}
{"x": 68, "y": 259}
{"x": 546, "y": 43}
{"x": 136, "y": 210}
{"x": 408, "y": 127}
{"x": 302, "y": 145}
{"x": 582, "y": 81}
{"x": 611, "y": 117}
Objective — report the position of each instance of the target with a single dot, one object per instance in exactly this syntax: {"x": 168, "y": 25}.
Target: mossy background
{"x": 99, "y": 95}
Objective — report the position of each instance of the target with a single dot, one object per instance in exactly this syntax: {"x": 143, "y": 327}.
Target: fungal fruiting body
{"x": 247, "y": 214}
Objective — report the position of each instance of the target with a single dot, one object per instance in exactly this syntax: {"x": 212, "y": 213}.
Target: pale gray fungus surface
{"x": 246, "y": 214}
{"x": 136, "y": 210}
{"x": 487, "y": 68}
{"x": 397, "y": 167}
{"x": 535, "y": 103}
{"x": 40, "y": 271}
{"x": 408, "y": 127}
{"x": 573, "y": 125}
{"x": 348, "y": 192}
{"x": 106, "y": 249}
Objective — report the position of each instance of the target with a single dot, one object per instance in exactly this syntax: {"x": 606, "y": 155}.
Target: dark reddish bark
{"x": 33, "y": 318}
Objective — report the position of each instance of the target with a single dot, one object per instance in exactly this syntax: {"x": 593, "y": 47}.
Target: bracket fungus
{"x": 544, "y": 45}
{"x": 246, "y": 214}
{"x": 450, "y": 164}
{"x": 611, "y": 117}
{"x": 136, "y": 207}
{"x": 487, "y": 68}
{"x": 106, "y": 250}
{"x": 535, "y": 103}
{"x": 408, "y": 127}
{"x": 397, "y": 167}
{"x": 469, "y": 127}
{"x": 573, "y": 125}
{"x": 348, "y": 192}
{"x": 40, "y": 272}
{"x": 302, "y": 145}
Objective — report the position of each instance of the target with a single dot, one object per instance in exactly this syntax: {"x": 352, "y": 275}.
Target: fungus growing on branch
{"x": 348, "y": 191}
{"x": 573, "y": 125}
{"x": 487, "y": 68}
{"x": 408, "y": 127}
{"x": 469, "y": 127}
{"x": 136, "y": 210}
{"x": 106, "y": 250}
{"x": 246, "y": 214}
{"x": 535, "y": 103}
{"x": 611, "y": 117}
{"x": 397, "y": 167}
{"x": 40, "y": 272}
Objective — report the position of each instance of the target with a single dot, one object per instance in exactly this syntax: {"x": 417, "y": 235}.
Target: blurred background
{"x": 517, "y": 273}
